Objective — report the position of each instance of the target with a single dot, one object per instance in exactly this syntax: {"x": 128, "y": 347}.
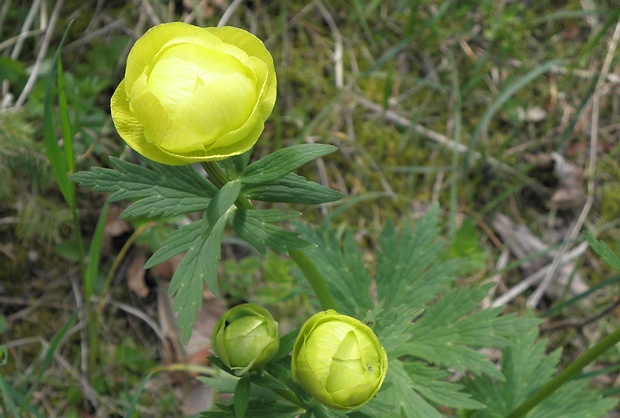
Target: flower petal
{"x": 254, "y": 47}
{"x": 221, "y": 105}
{"x": 146, "y": 48}
{"x": 125, "y": 122}
{"x": 159, "y": 128}
{"x": 132, "y": 130}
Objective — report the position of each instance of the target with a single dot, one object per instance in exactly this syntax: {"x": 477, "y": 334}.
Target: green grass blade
{"x": 500, "y": 100}
{"x": 597, "y": 39}
{"x": 54, "y": 153}
{"x": 67, "y": 139}
{"x": 136, "y": 396}
{"x": 599, "y": 372}
{"x": 94, "y": 254}
{"x": 5, "y": 389}
{"x": 606, "y": 283}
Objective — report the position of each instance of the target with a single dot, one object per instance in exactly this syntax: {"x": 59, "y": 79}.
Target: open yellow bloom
{"x": 338, "y": 360}
{"x": 194, "y": 94}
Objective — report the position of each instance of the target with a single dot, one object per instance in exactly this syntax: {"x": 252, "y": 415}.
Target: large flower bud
{"x": 246, "y": 338}
{"x": 339, "y": 360}
{"x": 194, "y": 94}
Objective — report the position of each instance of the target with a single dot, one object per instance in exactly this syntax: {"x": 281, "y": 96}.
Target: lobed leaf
{"x": 223, "y": 200}
{"x": 402, "y": 395}
{"x": 408, "y": 268}
{"x": 429, "y": 382}
{"x": 394, "y": 327}
{"x": 161, "y": 190}
{"x": 255, "y": 227}
{"x": 419, "y": 318}
{"x": 198, "y": 267}
{"x": 282, "y": 162}
{"x": 342, "y": 267}
{"x": 526, "y": 368}
{"x": 606, "y": 253}
{"x": 241, "y": 399}
{"x": 180, "y": 240}
{"x": 448, "y": 330}
{"x": 292, "y": 188}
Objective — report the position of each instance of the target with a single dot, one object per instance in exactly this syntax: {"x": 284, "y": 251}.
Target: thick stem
{"x": 567, "y": 374}
{"x": 317, "y": 281}
{"x": 219, "y": 177}
{"x": 216, "y": 174}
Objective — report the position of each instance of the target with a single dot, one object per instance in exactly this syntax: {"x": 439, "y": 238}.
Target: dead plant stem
{"x": 574, "y": 231}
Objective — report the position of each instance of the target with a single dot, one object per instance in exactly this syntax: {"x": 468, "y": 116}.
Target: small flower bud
{"x": 339, "y": 360}
{"x": 246, "y": 338}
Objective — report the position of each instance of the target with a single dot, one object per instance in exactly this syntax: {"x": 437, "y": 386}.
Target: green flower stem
{"x": 317, "y": 281}
{"x": 567, "y": 374}
{"x": 219, "y": 177}
{"x": 216, "y": 174}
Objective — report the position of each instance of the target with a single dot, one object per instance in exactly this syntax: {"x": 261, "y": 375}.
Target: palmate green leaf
{"x": 375, "y": 408}
{"x": 255, "y": 227}
{"x": 278, "y": 164}
{"x": 221, "y": 202}
{"x": 402, "y": 395}
{"x": 606, "y": 253}
{"x": 183, "y": 238}
{"x": 198, "y": 267}
{"x": 180, "y": 240}
{"x": 160, "y": 191}
{"x": 343, "y": 269}
{"x": 292, "y": 188}
{"x": 409, "y": 271}
{"x": 394, "y": 327}
{"x": 429, "y": 382}
{"x": 321, "y": 411}
{"x": 448, "y": 330}
{"x": 425, "y": 323}
{"x": 526, "y": 368}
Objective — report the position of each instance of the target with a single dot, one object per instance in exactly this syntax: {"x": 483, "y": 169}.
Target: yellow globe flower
{"x": 194, "y": 94}
{"x": 338, "y": 360}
